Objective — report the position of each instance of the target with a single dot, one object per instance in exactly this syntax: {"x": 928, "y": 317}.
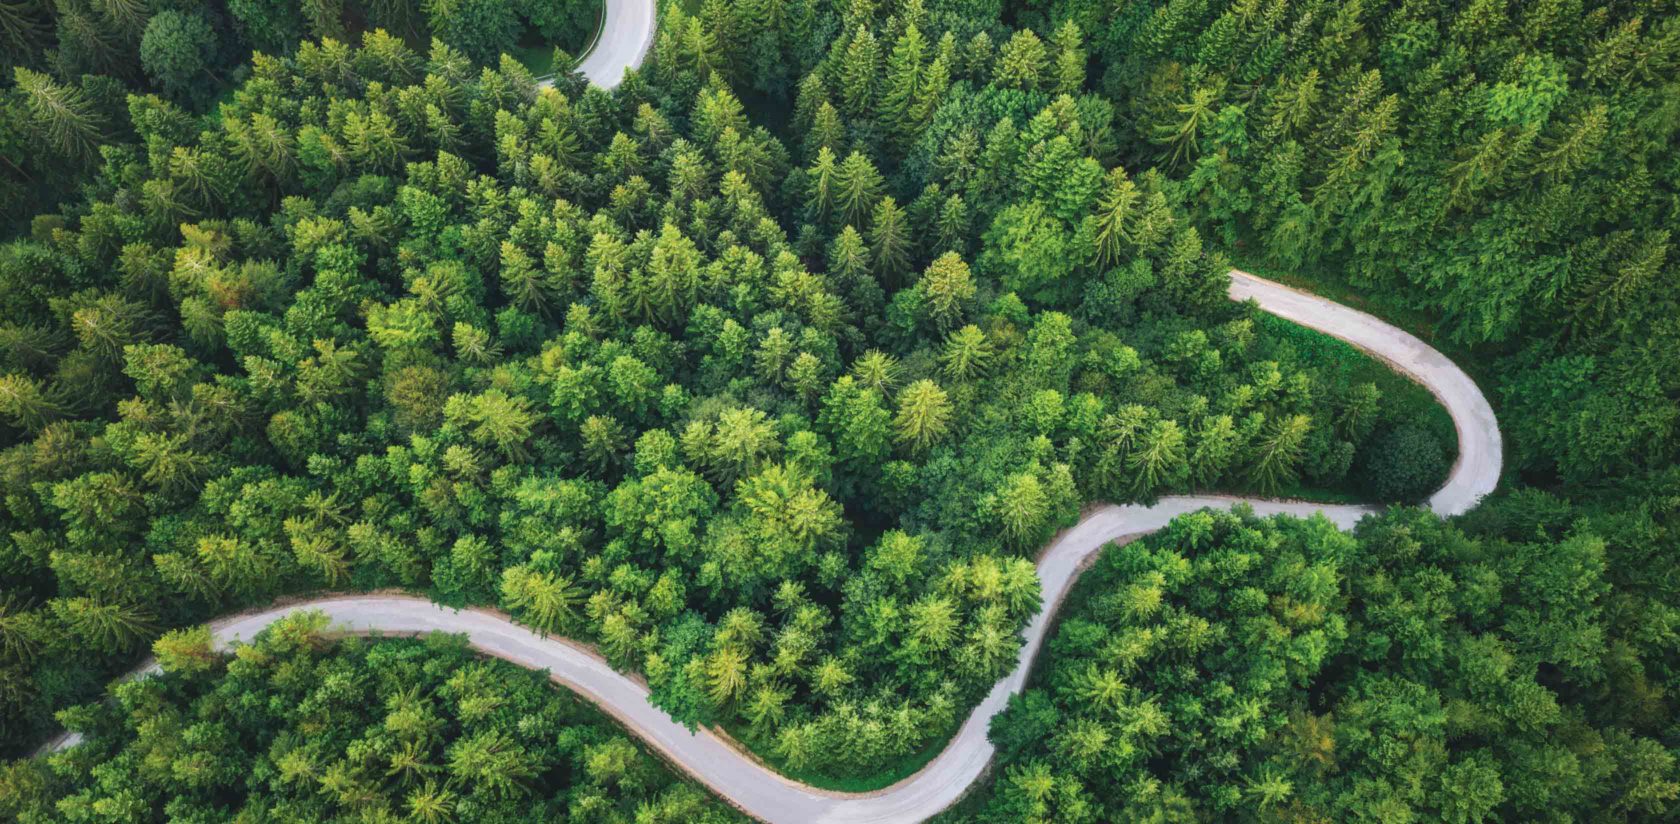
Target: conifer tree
{"x": 902, "y": 87}
{"x": 1159, "y": 458}
{"x": 857, "y": 188}
{"x": 25, "y": 404}
{"x": 828, "y": 131}
{"x": 62, "y": 116}
{"x": 889, "y": 241}
{"x": 1023, "y": 62}
{"x": 948, "y": 286}
{"x": 1069, "y": 67}
{"x": 1277, "y": 454}
{"x": 924, "y": 415}
{"x": 967, "y": 355}
{"x": 860, "y": 74}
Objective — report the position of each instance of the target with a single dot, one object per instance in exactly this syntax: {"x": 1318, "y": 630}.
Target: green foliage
{"x": 767, "y": 370}
{"x": 1405, "y": 464}
{"x": 177, "y": 52}
{"x": 305, "y": 727}
{"x": 1032, "y": 251}
{"x": 1504, "y": 171}
{"x": 480, "y": 29}
{"x": 1241, "y": 669}
{"x": 271, "y": 26}
{"x": 564, "y": 354}
{"x": 567, "y": 25}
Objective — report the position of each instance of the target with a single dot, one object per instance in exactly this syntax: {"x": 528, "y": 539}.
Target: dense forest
{"x": 634, "y": 369}
{"x": 1230, "y": 668}
{"x": 68, "y": 66}
{"x": 299, "y": 727}
{"x": 769, "y": 371}
{"x": 1508, "y": 168}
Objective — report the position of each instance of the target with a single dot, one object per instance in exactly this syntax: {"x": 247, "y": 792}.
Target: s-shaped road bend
{"x": 764, "y": 794}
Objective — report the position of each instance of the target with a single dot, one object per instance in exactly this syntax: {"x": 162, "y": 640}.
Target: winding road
{"x": 761, "y": 792}
{"x": 623, "y": 42}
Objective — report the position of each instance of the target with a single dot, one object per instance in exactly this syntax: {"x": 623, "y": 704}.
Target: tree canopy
{"x": 1232, "y": 668}
{"x": 769, "y": 370}
{"x": 610, "y": 362}
{"x": 301, "y": 727}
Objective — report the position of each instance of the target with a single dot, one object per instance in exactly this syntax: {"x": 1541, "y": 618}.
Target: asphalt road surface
{"x": 626, "y": 36}
{"x": 762, "y": 793}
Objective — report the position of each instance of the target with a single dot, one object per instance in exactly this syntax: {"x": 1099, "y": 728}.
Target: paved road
{"x": 626, "y": 36}
{"x": 766, "y": 795}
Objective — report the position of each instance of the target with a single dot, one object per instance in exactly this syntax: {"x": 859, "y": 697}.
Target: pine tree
{"x": 431, "y": 804}
{"x": 889, "y": 241}
{"x": 1292, "y": 107}
{"x": 602, "y": 439}
{"x": 828, "y": 131}
{"x": 106, "y": 626}
{"x": 167, "y": 464}
{"x": 1069, "y": 58}
{"x": 25, "y": 404}
{"x": 542, "y": 599}
{"x": 726, "y": 674}
{"x": 496, "y": 419}
{"x": 767, "y": 706}
{"x": 979, "y": 56}
{"x": 1022, "y": 506}
{"x": 318, "y": 552}
{"x": 1158, "y": 459}
{"x": 743, "y": 441}
{"x": 21, "y": 631}
{"x": 949, "y": 287}
{"x": 1567, "y": 153}
{"x": 857, "y": 188}
{"x": 967, "y": 354}
{"x": 876, "y": 370}
{"x": 951, "y": 226}
{"x": 63, "y": 117}
{"x": 191, "y": 651}
{"x": 325, "y": 17}
{"x": 264, "y": 147}
{"x": 1216, "y": 446}
{"x": 859, "y": 74}
{"x": 1022, "y": 62}
{"x": 797, "y": 744}
{"x": 823, "y": 181}
{"x": 375, "y": 140}
{"x": 806, "y": 376}
{"x": 1277, "y": 455}
{"x": 1115, "y": 217}
{"x": 87, "y": 43}
{"x": 848, "y": 258}
{"x": 813, "y": 92}
{"x": 936, "y": 81}
{"x": 23, "y": 29}
{"x": 903, "y": 85}
{"x": 932, "y": 624}
{"x": 924, "y": 415}
{"x": 1183, "y": 132}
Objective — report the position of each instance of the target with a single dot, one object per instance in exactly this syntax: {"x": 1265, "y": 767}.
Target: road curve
{"x": 625, "y": 37}
{"x": 764, "y": 794}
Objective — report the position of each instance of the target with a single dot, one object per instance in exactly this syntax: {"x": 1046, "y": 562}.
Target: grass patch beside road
{"x": 537, "y": 57}
{"x": 886, "y": 775}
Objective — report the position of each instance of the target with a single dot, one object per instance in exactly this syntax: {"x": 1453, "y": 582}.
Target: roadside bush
{"x": 1404, "y": 464}
{"x": 481, "y": 29}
